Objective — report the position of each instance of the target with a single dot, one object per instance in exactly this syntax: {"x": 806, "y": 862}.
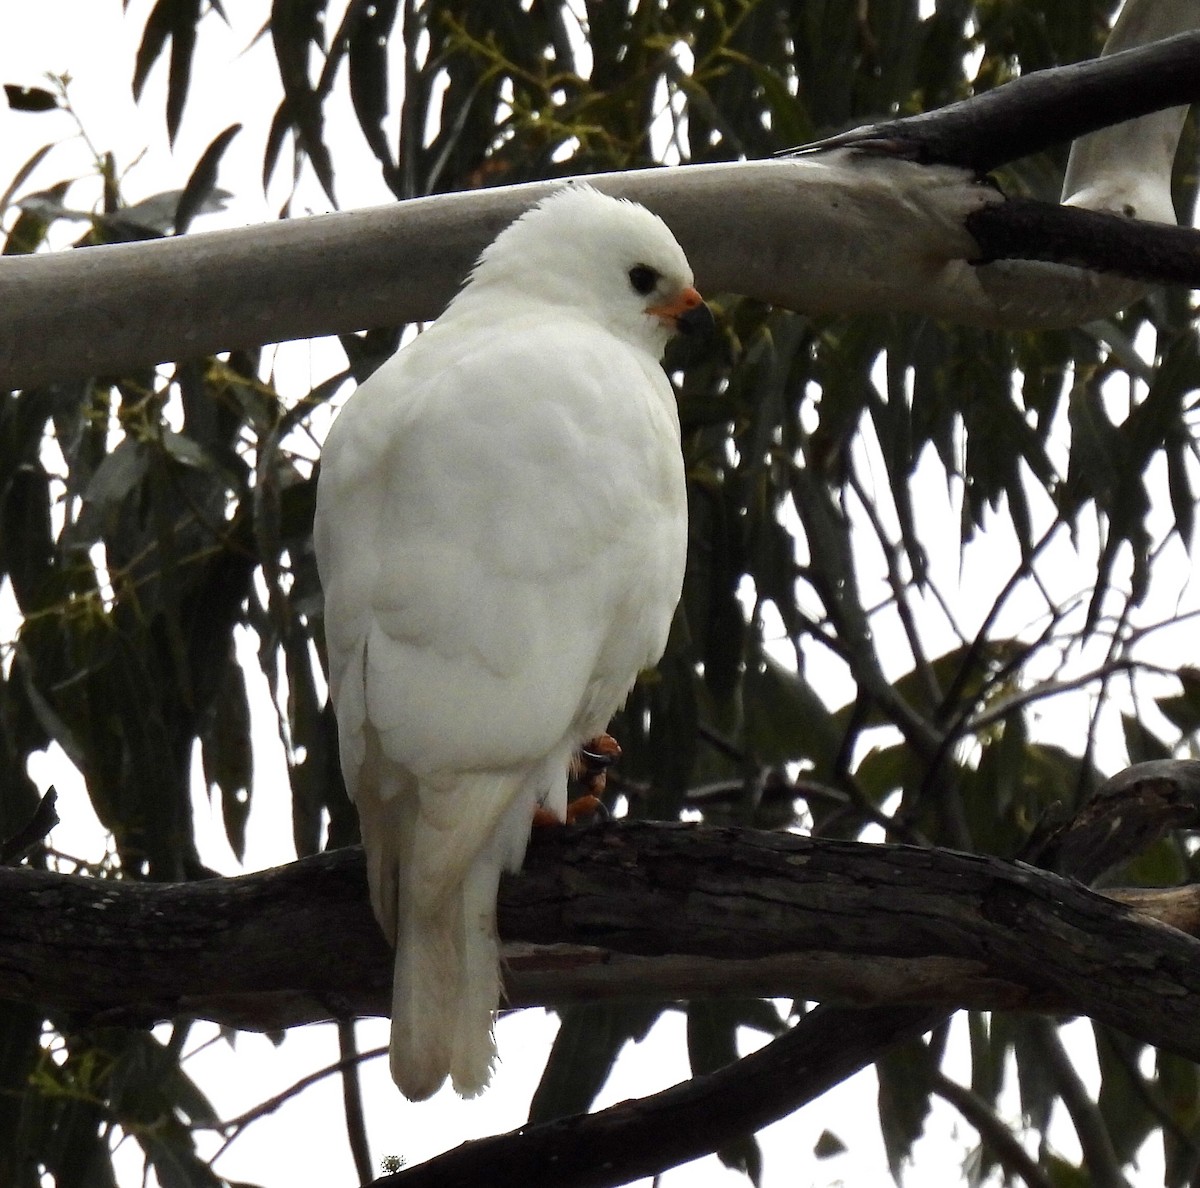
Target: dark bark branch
{"x": 356, "y": 1128}
{"x": 669, "y": 911}
{"x": 1039, "y": 110}
{"x": 1026, "y": 229}
{"x": 993, "y": 1132}
{"x": 664, "y": 910}
{"x": 715, "y": 909}
{"x": 643, "y": 1137}
{"x": 1131, "y": 810}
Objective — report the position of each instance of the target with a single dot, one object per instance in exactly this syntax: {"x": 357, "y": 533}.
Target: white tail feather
{"x": 447, "y": 979}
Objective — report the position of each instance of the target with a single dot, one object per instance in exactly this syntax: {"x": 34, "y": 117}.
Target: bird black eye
{"x": 643, "y": 278}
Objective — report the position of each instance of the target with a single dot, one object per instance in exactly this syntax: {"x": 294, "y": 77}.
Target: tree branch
{"x": 662, "y": 910}
{"x": 993, "y": 1133}
{"x": 626, "y": 1141}
{"x": 1026, "y": 229}
{"x": 1037, "y": 111}
{"x": 646, "y": 1136}
{"x": 835, "y": 231}
{"x": 651, "y": 909}
{"x": 356, "y": 1129}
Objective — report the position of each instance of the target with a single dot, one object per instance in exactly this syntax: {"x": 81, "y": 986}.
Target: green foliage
{"x": 149, "y": 520}
{"x": 587, "y": 1045}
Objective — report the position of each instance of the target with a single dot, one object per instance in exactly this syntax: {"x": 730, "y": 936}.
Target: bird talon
{"x": 602, "y": 751}
{"x": 590, "y": 764}
{"x": 579, "y": 808}
{"x": 586, "y": 806}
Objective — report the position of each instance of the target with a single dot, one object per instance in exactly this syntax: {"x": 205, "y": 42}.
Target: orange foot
{"x": 589, "y": 771}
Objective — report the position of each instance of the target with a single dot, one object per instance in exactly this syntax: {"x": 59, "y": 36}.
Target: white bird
{"x": 501, "y": 531}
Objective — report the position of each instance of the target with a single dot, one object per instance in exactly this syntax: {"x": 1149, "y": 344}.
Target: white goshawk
{"x": 501, "y": 532}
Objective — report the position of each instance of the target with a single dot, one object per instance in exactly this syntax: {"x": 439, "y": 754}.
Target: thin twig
{"x": 899, "y": 589}
{"x": 238, "y": 1125}
{"x": 1000, "y": 709}
{"x": 1097, "y": 1146}
{"x": 993, "y": 1132}
{"x": 356, "y": 1127}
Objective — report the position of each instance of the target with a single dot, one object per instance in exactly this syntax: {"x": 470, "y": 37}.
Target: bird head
{"x": 604, "y": 258}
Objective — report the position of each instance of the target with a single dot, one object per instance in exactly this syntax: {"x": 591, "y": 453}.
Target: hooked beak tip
{"x": 698, "y": 320}
{"x": 686, "y": 314}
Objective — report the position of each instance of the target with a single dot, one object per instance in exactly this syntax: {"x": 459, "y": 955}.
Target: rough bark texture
{"x": 609, "y": 1148}
{"x": 664, "y": 910}
{"x": 626, "y": 908}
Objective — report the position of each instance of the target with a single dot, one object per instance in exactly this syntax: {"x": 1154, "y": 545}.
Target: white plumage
{"x": 501, "y": 531}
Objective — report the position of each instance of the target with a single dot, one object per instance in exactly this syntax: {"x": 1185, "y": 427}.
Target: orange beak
{"x": 685, "y": 313}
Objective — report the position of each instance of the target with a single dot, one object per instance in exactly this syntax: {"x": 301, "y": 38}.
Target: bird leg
{"x": 588, "y": 773}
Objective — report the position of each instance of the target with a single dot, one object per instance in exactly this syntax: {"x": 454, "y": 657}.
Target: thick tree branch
{"x": 1131, "y": 810}
{"x": 1037, "y": 111}
{"x": 837, "y": 231}
{"x": 664, "y": 910}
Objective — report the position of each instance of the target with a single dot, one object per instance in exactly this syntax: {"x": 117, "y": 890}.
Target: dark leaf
{"x": 280, "y": 126}
{"x": 786, "y": 720}
{"x": 368, "y": 55}
{"x": 1177, "y": 1082}
{"x": 1064, "y": 1174}
{"x": 743, "y": 1155}
{"x": 38, "y": 212}
{"x": 295, "y": 26}
{"x": 1141, "y": 743}
{"x": 588, "y": 1042}
{"x": 227, "y": 754}
{"x": 904, "y": 1092}
{"x": 26, "y": 535}
{"x": 989, "y": 1051}
{"x": 118, "y": 475}
{"x": 1035, "y": 1078}
{"x": 154, "y": 39}
{"x": 22, "y": 174}
{"x": 712, "y": 1028}
{"x": 1123, "y": 1099}
{"x": 1183, "y": 709}
{"x": 185, "y": 15}
{"x": 201, "y": 186}
{"x": 828, "y": 1145}
{"x": 22, "y": 98}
